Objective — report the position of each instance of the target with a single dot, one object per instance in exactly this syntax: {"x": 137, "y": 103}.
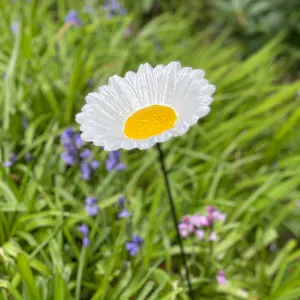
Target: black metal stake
{"x": 173, "y": 211}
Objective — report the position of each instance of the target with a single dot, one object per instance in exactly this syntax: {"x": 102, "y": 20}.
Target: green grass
{"x": 243, "y": 158}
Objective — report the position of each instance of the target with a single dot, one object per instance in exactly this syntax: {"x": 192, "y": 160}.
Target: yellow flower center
{"x": 150, "y": 121}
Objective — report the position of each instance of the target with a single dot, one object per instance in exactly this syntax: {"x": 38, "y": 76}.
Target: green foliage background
{"x": 243, "y": 158}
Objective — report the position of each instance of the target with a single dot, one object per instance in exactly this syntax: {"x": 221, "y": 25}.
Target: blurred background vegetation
{"x": 242, "y": 158}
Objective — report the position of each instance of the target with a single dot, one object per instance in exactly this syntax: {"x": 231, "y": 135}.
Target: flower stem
{"x": 173, "y": 211}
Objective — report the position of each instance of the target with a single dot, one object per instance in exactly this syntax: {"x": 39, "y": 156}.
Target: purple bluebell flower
{"x": 124, "y": 214}
{"x": 94, "y": 164}
{"x": 68, "y": 158}
{"x": 92, "y": 210}
{"x": 78, "y": 140}
{"x": 67, "y": 133}
{"x": 136, "y": 239}
{"x": 72, "y": 18}
{"x": 221, "y": 279}
{"x": 12, "y": 160}
{"x": 113, "y": 7}
{"x": 87, "y": 168}
{"x": 121, "y": 201}
{"x": 91, "y": 206}
{"x": 113, "y": 161}
{"x": 15, "y": 27}
{"x": 134, "y": 246}
{"x": 91, "y": 201}
{"x": 85, "y": 241}
{"x": 85, "y": 153}
{"x": 83, "y": 228}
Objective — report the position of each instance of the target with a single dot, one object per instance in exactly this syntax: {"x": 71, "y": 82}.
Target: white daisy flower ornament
{"x": 146, "y": 107}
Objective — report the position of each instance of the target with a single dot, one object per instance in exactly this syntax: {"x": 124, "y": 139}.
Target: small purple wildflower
{"x": 85, "y": 241}
{"x": 91, "y": 206}
{"x": 185, "y": 229}
{"x": 94, "y": 164}
{"x": 136, "y": 239}
{"x": 75, "y": 155}
{"x": 12, "y": 160}
{"x": 221, "y": 279}
{"x": 69, "y": 158}
{"x": 113, "y": 161}
{"x": 72, "y": 18}
{"x": 124, "y": 214}
{"x": 83, "y": 228}
{"x": 198, "y": 220}
{"x": 90, "y": 201}
{"x": 218, "y": 216}
{"x": 113, "y": 8}
{"x": 67, "y": 134}
{"x": 85, "y": 153}
{"x": 15, "y": 27}
{"x": 121, "y": 201}
{"x": 134, "y": 246}
{"x": 78, "y": 140}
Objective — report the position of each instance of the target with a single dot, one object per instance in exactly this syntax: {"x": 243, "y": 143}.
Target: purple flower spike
{"x": 12, "y": 160}
{"x": 124, "y": 214}
{"x": 114, "y": 8}
{"x": 134, "y": 246}
{"x": 92, "y": 210}
{"x": 113, "y": 161}
{"x": 221, "y": 279}
{"x": 85, "y": 153}
{"x": 67, "y": 134}
{"x": 69, "y": 158}
{"x": 85, "y": 241}
{"x": 83, "y": 229}
{"x": 15, "y": 27}
{"x": 94, "y": 164}
{"x": 90, "y": 201}
{"x": 121, "y": 201}
{"x": 72, "y": 18}
{"x": 78, "y": 140}
{"x": 86, "y": 172}
{"x": 91, "y": 206}
{"x": 136, "y": 239}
